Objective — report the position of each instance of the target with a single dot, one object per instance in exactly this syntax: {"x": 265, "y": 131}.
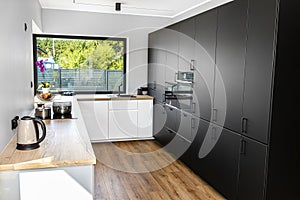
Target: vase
{"x": 45, "y": 90}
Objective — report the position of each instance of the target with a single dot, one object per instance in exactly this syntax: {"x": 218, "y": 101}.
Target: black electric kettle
{"x": 28, "y": 133}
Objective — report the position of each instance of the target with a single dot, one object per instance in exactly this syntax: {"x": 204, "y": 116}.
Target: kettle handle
{"x": 43, "y": 126}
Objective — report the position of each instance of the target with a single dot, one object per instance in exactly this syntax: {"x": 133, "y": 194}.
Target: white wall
{"x": 16, "y": 62}
{"x": 135, "y": 28}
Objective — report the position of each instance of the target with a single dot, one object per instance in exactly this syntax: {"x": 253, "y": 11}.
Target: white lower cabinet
{"x": 95, "y": 115}
{"x": 123, "y": 124}
{"x": 145, "y": 118}
{"x": 118, "y": 119}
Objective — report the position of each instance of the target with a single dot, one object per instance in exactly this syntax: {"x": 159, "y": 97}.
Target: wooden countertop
{"x": 66, "y": 144}
{"x": 107, "y": 98}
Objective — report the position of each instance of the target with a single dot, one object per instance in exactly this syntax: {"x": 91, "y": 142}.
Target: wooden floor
{"x": 141, "y": 170}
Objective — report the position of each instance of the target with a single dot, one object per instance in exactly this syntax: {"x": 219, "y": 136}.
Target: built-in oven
{"x": 179, "y": 94}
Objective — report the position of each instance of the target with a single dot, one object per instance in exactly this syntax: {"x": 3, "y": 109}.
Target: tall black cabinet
{"x": 230, "y": 62}
{"x": 241, "y": 136}
{"x": 284, "y": 155}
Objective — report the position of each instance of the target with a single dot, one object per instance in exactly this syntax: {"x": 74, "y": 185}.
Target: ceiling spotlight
{"x": 118, "y": 6}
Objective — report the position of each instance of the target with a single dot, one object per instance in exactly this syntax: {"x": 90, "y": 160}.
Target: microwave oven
{"x": 185, "y": 77}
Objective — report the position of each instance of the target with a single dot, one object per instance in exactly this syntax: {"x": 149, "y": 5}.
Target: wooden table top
{"x": 66, "y": 144}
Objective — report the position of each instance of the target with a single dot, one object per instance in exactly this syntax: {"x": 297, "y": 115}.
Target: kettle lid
{"x": 26, "y": 118}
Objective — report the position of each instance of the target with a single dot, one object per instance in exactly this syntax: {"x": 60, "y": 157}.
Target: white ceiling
{"x": 161, "y": 8}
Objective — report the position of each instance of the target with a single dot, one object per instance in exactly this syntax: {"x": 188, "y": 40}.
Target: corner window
{"x": 80, "y": 64}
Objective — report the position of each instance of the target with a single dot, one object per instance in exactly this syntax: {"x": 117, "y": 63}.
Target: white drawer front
{"x": 123, "y": 105}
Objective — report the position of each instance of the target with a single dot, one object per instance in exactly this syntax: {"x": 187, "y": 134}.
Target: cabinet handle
{"x": 193, "y": 123}
{"x": 193, "y": 107}
{"x": 215, "y": 112}
{"x": 243, "y": 147}
{"x": 163, "y": 98}
{"x": 214, "y": 133}
{"x": 154, "y": 87}
{"x": 244, "y": 125}
{"x": 192, "y": 65}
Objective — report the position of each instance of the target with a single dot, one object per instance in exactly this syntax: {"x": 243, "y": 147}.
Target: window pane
{"x": 80, "y": 64}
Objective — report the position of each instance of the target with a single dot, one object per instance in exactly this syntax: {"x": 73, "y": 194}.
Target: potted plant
{"x": 45, "y": 87}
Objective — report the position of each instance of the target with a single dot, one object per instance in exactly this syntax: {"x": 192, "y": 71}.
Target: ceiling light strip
{"x": 191, "y": 8}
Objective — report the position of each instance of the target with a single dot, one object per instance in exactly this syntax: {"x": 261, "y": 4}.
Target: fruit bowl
{"x": 46, "y": 96}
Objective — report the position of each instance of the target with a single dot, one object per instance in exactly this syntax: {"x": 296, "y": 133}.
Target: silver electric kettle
{"x": 28, "y": 133}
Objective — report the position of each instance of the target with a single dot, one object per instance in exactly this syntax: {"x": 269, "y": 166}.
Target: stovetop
{"x": 59, "y": 116}
{"x": 65, "y": 116}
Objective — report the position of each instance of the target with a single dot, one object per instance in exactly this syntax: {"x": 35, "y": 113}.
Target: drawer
{"x": 123, "y": 105}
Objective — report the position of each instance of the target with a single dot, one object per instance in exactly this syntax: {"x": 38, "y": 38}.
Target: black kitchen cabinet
{"x": 252, "y": 170}
{"x": 259, "y": 68}
{"x": 172, "y": 118}
{"x": 161, "y": 133}
{"x": 157, "y": 93}
{"x": 204, "y": 56}
{"x": 284, "y": 155}
{"x": 186, "y": 45}
{"x": 152, "y": 60}
{"x": 171, "y": 43}
{"x": 164, "y": 137}
{"x": 230, "y": 64}
{"x": 151, "y": 70}
{"x": 217, "y": 158}
{"x": 159, "y": 117}
{"x": 178, "y": 146}
{"x": 188, "y": 125}
{"x": 255, "y": 83}
{"x": 186, "y": 132}
{"x": 157, "y": 62}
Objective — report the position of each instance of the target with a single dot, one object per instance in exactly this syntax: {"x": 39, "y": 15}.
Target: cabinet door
{"x": 95, "y": 115}
{"x": 159, "y": 118}
{"x": 152, "y": 44}
{"x": 178, "y": 147}
{"x": 252, "y": 170}
{"x": 160, "y": 69}
{"x": 185, "y": 125}
{"x": 151, "y": 71}
{"x": 157, "y": 95}
{"x": 123, "y": 124}
{"x": 205, "y": 37}
{"x": 259, "y": 67}
{"x": 230, "y": 64}
{"x": 186, "y": 44}
{"x": 218, "y": 159}
{"x": 157, "y": 61}
{"x": 145, "y": 118}
{"x": 172, "y": 118}
{"x": 171, "y": 43}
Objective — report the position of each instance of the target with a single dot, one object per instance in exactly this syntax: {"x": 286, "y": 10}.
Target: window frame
{"x": 35, "y": 72}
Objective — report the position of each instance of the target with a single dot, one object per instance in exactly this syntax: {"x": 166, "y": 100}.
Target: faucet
{"x": 119, "y": 89}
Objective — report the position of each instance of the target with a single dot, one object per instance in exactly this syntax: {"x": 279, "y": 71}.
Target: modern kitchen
{"x": 152, "y": 99}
